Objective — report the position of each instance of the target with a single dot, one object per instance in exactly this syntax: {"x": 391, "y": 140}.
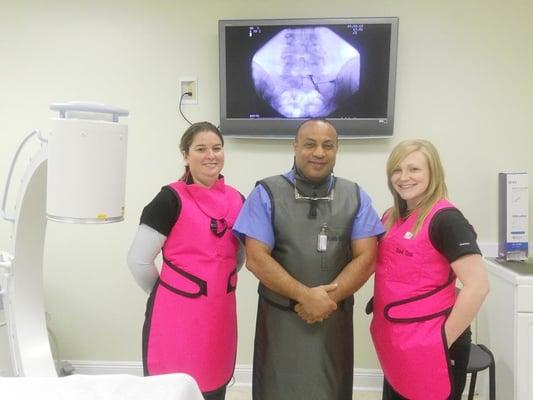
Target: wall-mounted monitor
{"x": 276, "y": 73}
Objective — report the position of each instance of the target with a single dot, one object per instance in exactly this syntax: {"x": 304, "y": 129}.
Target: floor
{"x": 244, "y": 393}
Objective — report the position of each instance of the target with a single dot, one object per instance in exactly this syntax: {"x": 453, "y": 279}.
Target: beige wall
{"x": 464, "y": 82}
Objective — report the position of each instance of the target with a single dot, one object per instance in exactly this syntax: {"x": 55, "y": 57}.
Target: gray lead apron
{"x": 292, "y": 359}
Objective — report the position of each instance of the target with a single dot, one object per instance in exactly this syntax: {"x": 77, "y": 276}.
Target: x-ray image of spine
{"x": 306, "y": 72}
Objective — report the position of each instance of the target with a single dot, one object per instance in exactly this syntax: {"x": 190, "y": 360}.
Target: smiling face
{"x": 410, "y": 178}
{"x": 315, "y": 150}
{"x": 205, "y": 158}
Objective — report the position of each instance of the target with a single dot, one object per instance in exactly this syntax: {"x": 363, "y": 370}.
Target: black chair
{"x": 480, "y": 359}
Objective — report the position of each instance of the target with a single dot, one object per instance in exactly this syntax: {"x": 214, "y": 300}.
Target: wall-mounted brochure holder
{"x": 513, "y": 216}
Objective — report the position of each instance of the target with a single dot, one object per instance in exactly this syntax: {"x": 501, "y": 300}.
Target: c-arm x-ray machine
{"x": 78, "y": 176}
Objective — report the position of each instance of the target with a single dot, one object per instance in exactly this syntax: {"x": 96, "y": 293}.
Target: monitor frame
{"x": 285, "y": 128}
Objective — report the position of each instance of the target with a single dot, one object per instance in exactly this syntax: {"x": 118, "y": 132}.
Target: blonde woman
{"x": 420, "y": 326}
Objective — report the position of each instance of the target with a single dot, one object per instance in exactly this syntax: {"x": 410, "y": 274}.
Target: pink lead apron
{"x": 191, "y": 323}
{"x": 414, "y": 291}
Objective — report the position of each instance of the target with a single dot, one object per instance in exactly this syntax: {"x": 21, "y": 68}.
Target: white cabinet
{"x": 524, "y": 360}
{"x": 505, "y": 326}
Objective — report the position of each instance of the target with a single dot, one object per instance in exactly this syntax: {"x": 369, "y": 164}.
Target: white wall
{"x": 464, "y": 82}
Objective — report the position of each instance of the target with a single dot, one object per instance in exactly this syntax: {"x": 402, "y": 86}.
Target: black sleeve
{"x": 452, "y": 235}
{"x": 163, "y": 211}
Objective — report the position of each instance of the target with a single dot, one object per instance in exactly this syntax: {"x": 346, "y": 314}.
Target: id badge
{"x": 322, "y": 240}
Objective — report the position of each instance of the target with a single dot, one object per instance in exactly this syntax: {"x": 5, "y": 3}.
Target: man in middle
{"x": 311, "y": 241}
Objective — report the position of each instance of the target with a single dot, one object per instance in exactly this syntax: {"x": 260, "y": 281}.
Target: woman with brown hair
{"x": 191, "y": 323}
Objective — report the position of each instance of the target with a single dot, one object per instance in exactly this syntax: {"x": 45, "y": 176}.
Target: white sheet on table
{"x": 101, "y": 387}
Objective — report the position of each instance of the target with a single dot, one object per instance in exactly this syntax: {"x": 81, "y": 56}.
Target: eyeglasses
{"x": 298, "y": 196}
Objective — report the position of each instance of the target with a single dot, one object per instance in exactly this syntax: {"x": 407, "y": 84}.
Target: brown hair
{"x": 188, "y": 137}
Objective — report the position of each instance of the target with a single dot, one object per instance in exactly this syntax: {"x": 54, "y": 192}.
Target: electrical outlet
{"x": 188, "y": 85}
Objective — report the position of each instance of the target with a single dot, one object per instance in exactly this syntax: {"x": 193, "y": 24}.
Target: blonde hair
{"x": 435, "y": 191}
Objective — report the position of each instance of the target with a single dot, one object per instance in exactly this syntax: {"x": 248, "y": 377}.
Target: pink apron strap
{"x": 429, "y": 305}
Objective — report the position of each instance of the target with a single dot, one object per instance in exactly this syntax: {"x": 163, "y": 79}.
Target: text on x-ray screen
{"x": 306, "y": 72}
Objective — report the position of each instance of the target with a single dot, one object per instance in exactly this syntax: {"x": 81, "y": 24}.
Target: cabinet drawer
{"x": 524, "y": 298}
